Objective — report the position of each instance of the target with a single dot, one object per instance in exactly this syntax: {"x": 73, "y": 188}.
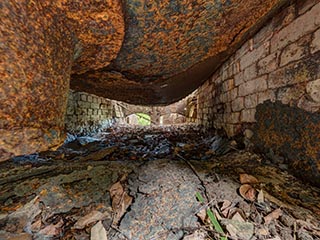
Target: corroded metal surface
{"x": 171, "y": 47}
{"x": 36, "y": 50}
{"x": 146, "y": 52}
{"x": 291, "y": 132}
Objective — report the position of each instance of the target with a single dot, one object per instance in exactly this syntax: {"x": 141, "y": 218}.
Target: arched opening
{"x": 140, "y": 119}
{"x": 172, "y": 118}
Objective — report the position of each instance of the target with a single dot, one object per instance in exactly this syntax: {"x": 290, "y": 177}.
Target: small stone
{"x": 287, "y": 220}
{"x": 313, "y": 89}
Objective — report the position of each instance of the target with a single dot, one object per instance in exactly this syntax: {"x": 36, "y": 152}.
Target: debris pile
{"x": 154, "y": 183}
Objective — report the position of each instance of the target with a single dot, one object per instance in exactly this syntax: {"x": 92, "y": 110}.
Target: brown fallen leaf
{"x": 273, "y": 216}
{"x": 248, "y": 179}
{"x": 52, "y": 230}
{"x": 202, "y": 214}
{"x": 36, "y": 226}
{"x": 98, "y": 232}
{"x": 226, "y": 204}
{"x": 238, "y": 217}
{"x": 248, "y": 192}
{"x": 120, "y": 201}
{"x": 93, "y": 216}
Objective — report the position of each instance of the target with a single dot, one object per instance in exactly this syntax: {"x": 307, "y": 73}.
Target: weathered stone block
{"x": 253, "y": 86}
{"x": 267, "y": 64}
{"x": 94, "y": 105}
{"x": 301, "y": 26}
{"x": 266, "y": 95}
{"x": 83, "y": 97}
{"x": 254, "y": 56}
{"x": 308, "y": 105}
{"x": 238, "y": 79}
{"x": 250, "y": 73}
{"x": 264, "y": 35}
{"x": 248, "y": 115}
{"x": 233, "y": 93}
{"x": 84, "y": 105}
{"x": 291, "y": 95}
{"x": 306, "y": 5}
{"x": 237, "y": 104}
{"x": 228, "y": 85}
{"x": 234, "y": 117}
{"x": 313, "y": 90}
{"x": 303, "y": 71}
{"x": 251, "y": 101}
{"x": 295, "y": 51}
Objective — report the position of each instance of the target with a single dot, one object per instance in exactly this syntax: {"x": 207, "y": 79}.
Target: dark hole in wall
{"x": 292, "y": 133}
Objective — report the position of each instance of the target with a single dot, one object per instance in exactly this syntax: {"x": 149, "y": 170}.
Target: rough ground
{"x": 142, "y": 185}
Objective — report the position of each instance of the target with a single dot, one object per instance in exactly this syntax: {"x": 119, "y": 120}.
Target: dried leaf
{"x": 236, "y": 211}
{"x": 225, "y": 207}
{"x": 273, "y": 215}
{"x": 93, "y": 216}
{"x": 36, "y": 226}
{"x": 98, "y": 232}
{"x": 225, "y": 204}
{"x": 237, "y": 217}
{"x": 52, "y": 230}
{"x": 248, "y": 192}
{"x": 248, "y": 179}
{"x": 202, "y": 215}
{"x": 120, "y": 201}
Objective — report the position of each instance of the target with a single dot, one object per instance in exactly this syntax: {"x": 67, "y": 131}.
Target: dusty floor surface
{"x": 154, "y": 184}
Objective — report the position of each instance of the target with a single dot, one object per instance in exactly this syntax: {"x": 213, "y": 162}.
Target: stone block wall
{"x": 280, "y": 63}
{"x": 269, "y": 91}
{"x": 88, "y": 113}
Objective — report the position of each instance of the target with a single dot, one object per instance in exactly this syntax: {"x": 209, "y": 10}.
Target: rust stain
{"x": 293, "y": 133}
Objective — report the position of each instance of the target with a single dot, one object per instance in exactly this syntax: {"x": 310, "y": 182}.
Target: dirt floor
{"x": 155, "y": 183}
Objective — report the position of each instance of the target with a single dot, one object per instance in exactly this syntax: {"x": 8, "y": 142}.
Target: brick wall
{"x": 280, "y": 63}
{"x": 89, "y": 113}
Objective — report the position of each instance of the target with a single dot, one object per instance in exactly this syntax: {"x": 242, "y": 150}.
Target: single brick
{"x": 252, "y": 57}
{"x": 257, "y": 85}
{"x": 251, "y": 101}
{"x": 267, "y": 64}
{"x": 238, "y": 79}
{"x": 250, "y": 73}
{"x": 237, "y": 104}
{"x": 248, "y": 115}
{"x": 295, "y": 51}
{"x": 83, "y": 97}
{"x": 266, "y": 95}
